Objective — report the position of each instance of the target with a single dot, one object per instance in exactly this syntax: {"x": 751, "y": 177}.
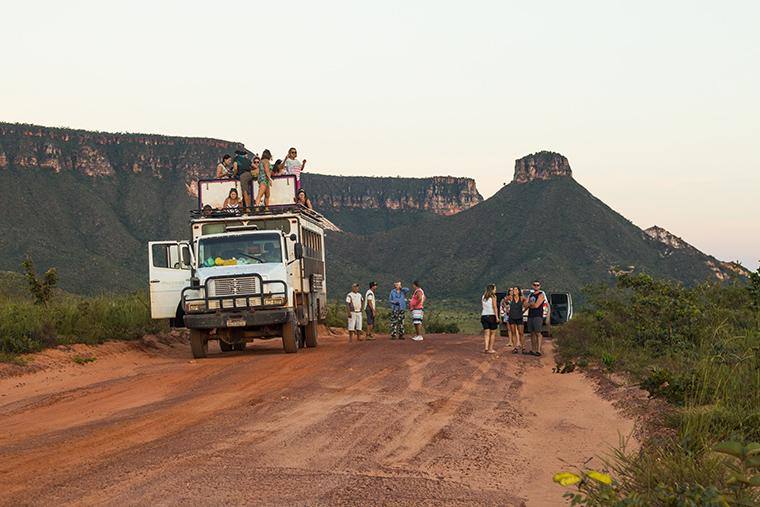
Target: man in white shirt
{"x": 370, "y": 309}
{"x": 354, "y": 302}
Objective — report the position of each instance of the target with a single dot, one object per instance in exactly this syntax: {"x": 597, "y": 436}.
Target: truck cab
{"x": 243, "y": 275}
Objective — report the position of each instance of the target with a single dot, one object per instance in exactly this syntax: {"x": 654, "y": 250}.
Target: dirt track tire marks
{"x": 376, "y": 423}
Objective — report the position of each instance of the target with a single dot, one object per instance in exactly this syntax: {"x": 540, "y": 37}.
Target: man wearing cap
{"x": 397, "y": 299}
{"x": 354, "y": 308}
{"x": 370, "y": 309}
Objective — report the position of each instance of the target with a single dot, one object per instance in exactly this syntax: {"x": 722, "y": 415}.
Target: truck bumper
{"x": 252, "y": 318}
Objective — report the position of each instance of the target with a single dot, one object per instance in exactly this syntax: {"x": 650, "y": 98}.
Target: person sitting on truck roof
{"x": 232, "y": 201}
{"x": 224, "y": 168}
{"x": 303, "y": 199}
{"x": 265, "y": 178}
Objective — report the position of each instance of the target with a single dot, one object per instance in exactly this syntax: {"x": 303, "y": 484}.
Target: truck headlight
{"x": 196, "y": 306}
{"x": 275, "y": 300}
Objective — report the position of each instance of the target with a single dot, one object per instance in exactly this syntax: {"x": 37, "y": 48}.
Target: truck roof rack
{"x": 258, "y": 211}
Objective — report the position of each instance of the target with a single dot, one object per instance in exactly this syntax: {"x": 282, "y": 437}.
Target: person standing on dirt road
{"x": 514, "y": 318}
{"x": 354, "y": 308}
{"x": 370, "y": 309}
{"x": 489, "y": 318}
{"x": 535, "y": 306}
{"x": 417, "y": 305}
{"x": 397, "y": 299}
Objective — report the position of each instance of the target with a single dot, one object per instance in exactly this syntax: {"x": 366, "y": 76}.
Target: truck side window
{"x": 160, "y": 256}
{"x": 167, "y": 256}
{"x": 186, "y": 257}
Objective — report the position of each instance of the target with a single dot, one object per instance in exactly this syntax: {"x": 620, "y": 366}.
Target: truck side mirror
{"x": 298, "y": 250}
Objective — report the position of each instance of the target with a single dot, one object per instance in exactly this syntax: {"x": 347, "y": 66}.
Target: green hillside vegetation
{"x": 94, "y": 230}
{"x": 67, "y": 318}
{"x": 552, "y": 230}
{"x": 698, "y": 349}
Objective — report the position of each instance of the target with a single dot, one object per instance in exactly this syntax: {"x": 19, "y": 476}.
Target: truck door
{"x": 169, "y": 268}
{"x": 561, "y": 307}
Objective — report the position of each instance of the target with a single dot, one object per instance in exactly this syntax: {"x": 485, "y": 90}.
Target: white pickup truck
{"x": 243, "y": 276}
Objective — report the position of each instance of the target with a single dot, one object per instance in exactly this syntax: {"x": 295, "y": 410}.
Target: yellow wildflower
{"x": 599, "y": 477}
{"x": 566, "y": 478}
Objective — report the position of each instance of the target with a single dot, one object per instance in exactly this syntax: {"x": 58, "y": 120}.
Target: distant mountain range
{"x": 88, "y": 202}
{"x": 542, "y": 225}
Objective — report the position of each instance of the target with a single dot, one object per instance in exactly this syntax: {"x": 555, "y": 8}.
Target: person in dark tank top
{"x": 516, "y": 302}
{"x": 535, "y": 306}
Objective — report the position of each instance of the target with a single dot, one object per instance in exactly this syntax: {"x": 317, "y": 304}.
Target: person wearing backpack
{"x": 242, "y": 168}
{"x": 417, "y": 305}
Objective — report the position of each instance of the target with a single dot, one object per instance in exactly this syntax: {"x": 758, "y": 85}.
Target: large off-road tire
{"x": 226, "y": 347}
{"x": 240, "y": 346}
{"x": 311, "y": 334}
{"x": 199, "y": 343}
{"x": 291, "y": 336}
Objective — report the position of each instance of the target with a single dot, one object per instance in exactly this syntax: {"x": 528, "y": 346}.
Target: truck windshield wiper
{"x": 260, "y": 260}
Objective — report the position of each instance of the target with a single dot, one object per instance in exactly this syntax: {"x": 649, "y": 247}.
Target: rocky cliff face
{"x": 671, "y": 244}
{"x": 88, "y": 202}
{"x": 666, "y": 237}
{"x": 104, "y": 155}
{"x": 443, "y": 195}
{"x": 544, "y": 165}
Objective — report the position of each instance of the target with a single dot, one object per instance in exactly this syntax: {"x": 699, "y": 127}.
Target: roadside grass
{"x": 448, "y": 317}
{"x": 28, "y": 327}
{"x": 698, "y": 349}
{"x": 84, "y": 359}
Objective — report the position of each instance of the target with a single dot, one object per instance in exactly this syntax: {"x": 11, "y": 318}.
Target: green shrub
{"x": 697, "y": 348}
{"x": 28, "y": 327}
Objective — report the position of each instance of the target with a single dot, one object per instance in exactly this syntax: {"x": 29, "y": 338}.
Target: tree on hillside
{"x": 40, "y": 289}
{"x": 754, "y": 287}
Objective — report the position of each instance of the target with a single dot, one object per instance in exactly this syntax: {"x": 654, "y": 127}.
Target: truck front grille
{"x": 233, "y": 286}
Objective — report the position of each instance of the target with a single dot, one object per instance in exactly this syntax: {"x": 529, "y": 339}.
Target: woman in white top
{"x": 489, "y": 318}
{"x": 293, "y": 166}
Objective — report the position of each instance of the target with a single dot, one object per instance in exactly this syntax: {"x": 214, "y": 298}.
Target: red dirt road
{"x": 370, "y": 423}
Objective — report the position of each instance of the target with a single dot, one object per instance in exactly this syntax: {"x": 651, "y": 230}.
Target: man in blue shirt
{"x": 397, "y": 299}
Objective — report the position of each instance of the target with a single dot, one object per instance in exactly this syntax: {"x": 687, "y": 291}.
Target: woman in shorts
{"x": 489, "y": 318}
{"x": 515, "y": 302}
{"x": 264, "y": 179}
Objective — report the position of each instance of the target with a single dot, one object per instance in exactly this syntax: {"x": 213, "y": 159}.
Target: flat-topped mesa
{"x": 103, "y": 154}
{"x": 443, "y": 195}
{"x": 544, "y": 165}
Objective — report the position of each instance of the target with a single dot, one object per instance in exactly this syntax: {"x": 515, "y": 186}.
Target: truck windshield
{"x": 239, "y": 249}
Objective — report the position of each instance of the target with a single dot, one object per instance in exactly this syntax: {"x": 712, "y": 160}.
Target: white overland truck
{"x": 243, "y": 276}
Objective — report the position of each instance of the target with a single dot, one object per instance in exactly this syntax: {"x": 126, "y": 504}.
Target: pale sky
{"x": 655, "y": 103}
